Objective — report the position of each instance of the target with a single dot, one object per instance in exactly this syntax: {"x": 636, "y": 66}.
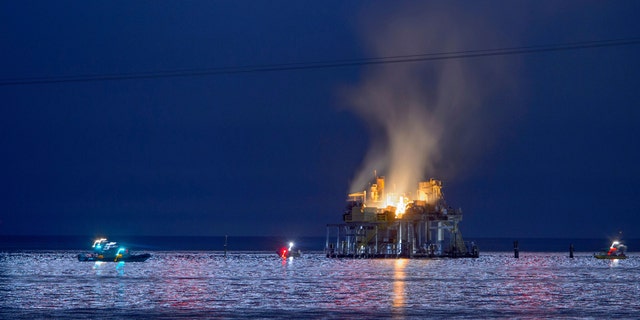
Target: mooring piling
{"x": 516, "y": 251}
{"x": 571, "y": 251}
{"x": 225, "y": 245}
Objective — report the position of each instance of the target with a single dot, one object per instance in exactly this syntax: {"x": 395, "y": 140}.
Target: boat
{"x": 285, "y": 252}
{"x": 108, "y": 251}
{"x": 616, "y": 251}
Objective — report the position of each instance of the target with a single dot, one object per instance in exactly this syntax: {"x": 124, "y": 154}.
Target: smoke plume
{"x": 432, "y": 118}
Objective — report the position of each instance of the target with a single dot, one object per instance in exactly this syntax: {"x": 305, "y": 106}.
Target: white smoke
{"x": 427, "y": 118}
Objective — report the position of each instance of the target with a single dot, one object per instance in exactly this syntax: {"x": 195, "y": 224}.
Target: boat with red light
{"x": 616, "y": 251}
{"x": 285, "y": 252}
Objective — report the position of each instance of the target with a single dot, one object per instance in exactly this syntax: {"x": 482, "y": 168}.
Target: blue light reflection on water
{"x": 257, "y": 284}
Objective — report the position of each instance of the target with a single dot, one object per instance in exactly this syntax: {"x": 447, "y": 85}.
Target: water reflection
{"x": 286, "y": 261}
{"x": 120, "y": 268}
{"x": 399, "y": 283}
{"x": 531, "y": 285}
{"x": 614, "y": 263}
{"x": 96, "y": 267}
{"x": 101, "y": 267}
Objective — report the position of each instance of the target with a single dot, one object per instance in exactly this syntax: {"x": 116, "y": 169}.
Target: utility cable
{"x": 327, "y": 64}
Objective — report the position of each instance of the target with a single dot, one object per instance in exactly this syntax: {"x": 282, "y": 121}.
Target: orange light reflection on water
{"x": 398, "y": 283}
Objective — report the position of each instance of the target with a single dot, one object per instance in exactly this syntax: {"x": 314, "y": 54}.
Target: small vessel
{"x": 104, "y": 250}
{"x": 616, "y": 251}
{"x": 285, "y": 252}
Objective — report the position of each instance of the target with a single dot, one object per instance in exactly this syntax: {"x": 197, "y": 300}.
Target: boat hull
{"x": 130, "y": 258}
{"x": 289, "y": 254}
{"x": 608, "y": 257}
{"x": 293, "y": 255}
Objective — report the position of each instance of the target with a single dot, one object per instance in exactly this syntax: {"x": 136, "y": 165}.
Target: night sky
{"x": 529, "y": 145}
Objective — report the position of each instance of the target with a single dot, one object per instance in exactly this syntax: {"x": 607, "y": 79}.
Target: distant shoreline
{"x": 272, "y": 243}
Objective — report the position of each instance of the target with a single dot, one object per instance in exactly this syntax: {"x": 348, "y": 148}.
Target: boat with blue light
{"x": 108, "y": 251}
{"x": 616, "y": 251}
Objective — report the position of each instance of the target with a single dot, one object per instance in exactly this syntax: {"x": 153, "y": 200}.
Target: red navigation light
{"x": 283, "y": 252}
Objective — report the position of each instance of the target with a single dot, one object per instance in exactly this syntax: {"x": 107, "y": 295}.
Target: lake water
{"x": 206, "y": 284}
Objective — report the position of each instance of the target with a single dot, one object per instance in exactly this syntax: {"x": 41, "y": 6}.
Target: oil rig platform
{"x": 377, "y": 224}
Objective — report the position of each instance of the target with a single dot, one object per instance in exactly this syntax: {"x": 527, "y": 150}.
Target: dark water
{"x": 205, "y": 284}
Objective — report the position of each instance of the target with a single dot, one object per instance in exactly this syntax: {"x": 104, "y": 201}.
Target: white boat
{"x": 104, "y": 250}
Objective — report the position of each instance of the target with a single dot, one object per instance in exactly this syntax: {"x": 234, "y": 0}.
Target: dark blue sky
{"x": 555, "y": 148}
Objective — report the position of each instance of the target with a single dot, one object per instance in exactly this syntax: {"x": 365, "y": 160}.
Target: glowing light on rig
{"x": 400, "y": 203}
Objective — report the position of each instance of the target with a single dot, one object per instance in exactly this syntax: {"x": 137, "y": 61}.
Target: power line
{"x": 327, "y": 64}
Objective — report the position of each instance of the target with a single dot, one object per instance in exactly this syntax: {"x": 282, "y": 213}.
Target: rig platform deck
{"x": 379, "y": 225}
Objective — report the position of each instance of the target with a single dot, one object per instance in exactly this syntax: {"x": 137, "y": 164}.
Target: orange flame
{"x": 400, "y": 203}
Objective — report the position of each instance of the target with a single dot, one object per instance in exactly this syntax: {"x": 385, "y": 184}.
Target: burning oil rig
{"x": 379, "y": 224}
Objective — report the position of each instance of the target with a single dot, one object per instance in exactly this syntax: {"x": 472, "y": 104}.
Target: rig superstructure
{"x": 380, "y": 224}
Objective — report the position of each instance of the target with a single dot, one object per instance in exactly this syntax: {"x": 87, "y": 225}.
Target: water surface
{"x": 204, "y": 284}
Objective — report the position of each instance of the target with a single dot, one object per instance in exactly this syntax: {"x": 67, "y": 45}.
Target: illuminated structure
{"x": 378, "y": 224}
